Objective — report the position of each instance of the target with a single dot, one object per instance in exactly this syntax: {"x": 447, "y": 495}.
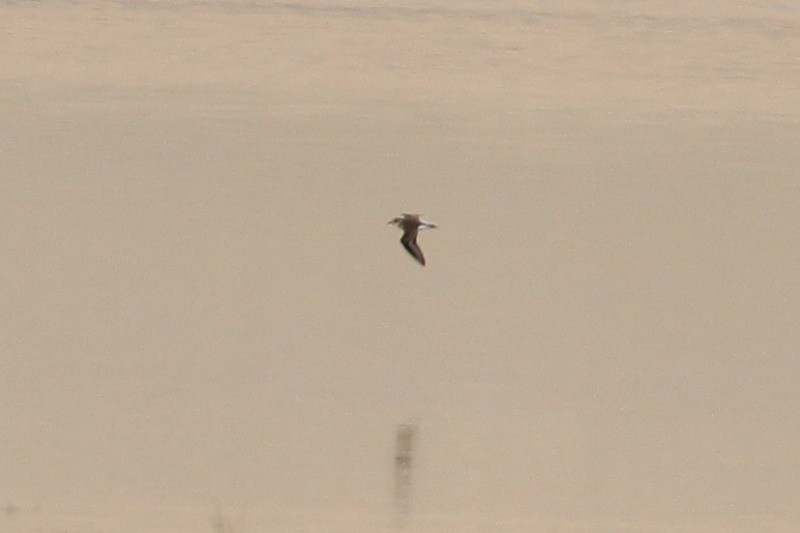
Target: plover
{"x": 411, "y": 224}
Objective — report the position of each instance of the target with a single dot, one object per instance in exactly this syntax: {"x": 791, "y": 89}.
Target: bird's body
{"x": 411, "y": 224}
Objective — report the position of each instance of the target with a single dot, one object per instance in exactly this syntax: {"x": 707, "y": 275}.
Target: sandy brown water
{"x": 203, "y": 308}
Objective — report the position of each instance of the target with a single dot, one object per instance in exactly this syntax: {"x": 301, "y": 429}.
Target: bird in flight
{"x": 411, "y": 224}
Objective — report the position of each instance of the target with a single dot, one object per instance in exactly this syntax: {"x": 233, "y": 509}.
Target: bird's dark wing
{"x": 409, "y": 242}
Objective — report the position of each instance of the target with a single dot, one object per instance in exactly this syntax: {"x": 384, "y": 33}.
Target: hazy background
{"x": 203, "y": 307}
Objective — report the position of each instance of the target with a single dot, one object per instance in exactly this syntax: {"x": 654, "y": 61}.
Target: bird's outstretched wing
{"x": 409, "y": 242}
